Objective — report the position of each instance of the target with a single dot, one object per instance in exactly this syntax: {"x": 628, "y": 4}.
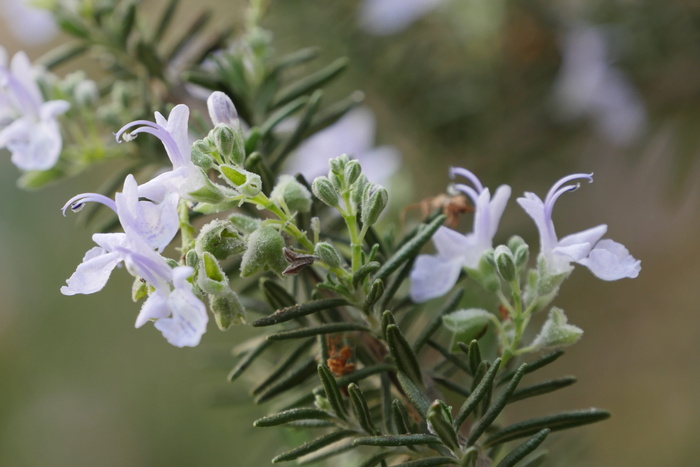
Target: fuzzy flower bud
{"x": 227, "y": 309}
{"x": 263, "y": 252}
{"x": 229, "y": 143}
{"x": 323, "y": 190}
{"x": 505, "y": 263}
{"x": 352, "y": 171}
{"x": 374, "y": 201}
{"x": 292, "y": 193}
{"x": 219, "y": 238}
{"x": 221, "y": 109}
{"x": 247, "y": 183}
{"x": 556, "y": 332}
{"x": 328, "y": 254}
{"x": 211, "y": 278}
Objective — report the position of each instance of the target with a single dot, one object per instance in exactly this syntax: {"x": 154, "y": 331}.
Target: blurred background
{"x": 520, "y": 93}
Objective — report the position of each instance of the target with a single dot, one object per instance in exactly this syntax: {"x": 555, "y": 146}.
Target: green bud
{"x": 336, "y": 181}
{"x": 352, "y": 171}
{"x": 358, "y": 189}
{"x": 245, "y": 224}
{"x": 521, "y": 255}
{"x": 328, "y": 254}
{"x": 292, "y": 193}
{"x": 338, "y": 164}
{"x": 505, "y": 263}
{"x": 376, "y": 290}
{"x": 203, "y": 145}
{"x": 201, "y": 159}
{"x": 220, "y": 238}
{"x": 556, "y": 332}
{"x": 263, "y": 252}
{"x": 192, "y": 259}
{"x": 247, "y": 183}
{"x": 374, "y": 201}
{"x": 227, "y": 309}
{"x": 323, "y": 190}
{"x": 440, "y": 422}
{"x": 211, "y": 278}
{"x": 208, "y": 192}
{"x": 515, "y": 242}
{"x": 229, "y": 143}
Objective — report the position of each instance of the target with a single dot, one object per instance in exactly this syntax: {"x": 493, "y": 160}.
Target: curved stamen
{"x": 153, "y": 272}
{"x": 76, "y": 203}
{"x": 467, "y": 190}
{"x": 454, "y": 171}
{"x": 557, "y": 190}
{"x": 159, "y": 132}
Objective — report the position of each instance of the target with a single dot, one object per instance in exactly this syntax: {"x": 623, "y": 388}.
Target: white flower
{"x": 33, "y": 136}
{"x": 353, "y": 135}
{"x": 222, "y": 110}
{"x": 589, "y": 86}
{"x": 434, "y": 275}
{"x": 607, "y": 260}
{"x": 185, "y": 177}
{"x": 386, "y": 17}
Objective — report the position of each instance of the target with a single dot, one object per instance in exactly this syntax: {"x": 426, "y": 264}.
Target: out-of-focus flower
{"x": 28, "y": 126}
{"x": 434, "y": 275}
{"x": 185, "y": 177}
{"x": 387, "y": 17}
{"x": 27, "y": 23}
{"x": 589, "y": 86}
{"x": 353, "y": 135}
{"x": 607, "y": 260}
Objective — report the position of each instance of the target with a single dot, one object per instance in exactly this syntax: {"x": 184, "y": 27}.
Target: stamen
{"x": 454, "y": 171}
{"x": 177, "y": 159}
{"x": 77, "y": 202}
{"x": 557, "y": 190}
{"x": 467, "y": 190}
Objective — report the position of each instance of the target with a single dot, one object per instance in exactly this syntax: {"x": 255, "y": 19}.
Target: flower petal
{"x": 189, "y": 317}
{"x": 433, "y": 276}
{"x": 93, "y": 273}
{"x": 611, "y": 261}
{"x": 155, "y": 307}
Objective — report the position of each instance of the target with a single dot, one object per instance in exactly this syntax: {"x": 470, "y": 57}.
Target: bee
{"x": 338, "y": 358}
{"x": 451, "y": 205}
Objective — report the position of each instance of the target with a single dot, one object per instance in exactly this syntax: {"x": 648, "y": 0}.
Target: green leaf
{"x": 454, "y": 359}
{"x": 280, "y": 114}
{"x": 556, "y": 422}
{"x": 474, "y": 355}
{"x": 430, "y": 462}
{"x": 165, "y": 20}
{"x": 394, "y": 285}
{"x": 533, "y": 366}
{"x": 331, "y": 451}
{"x": 316, "y": 330}
{"x": 403, "y": 354}
{"x": 478, "y": 394}
{"x": 466, "y": 325}
{"x": 414, "y": 394}
{"x": 294, "y": 378}
{"x": 365, "y": 372}
{"x": 291, "y": 415}
{"x": 313, "y": 446}
{"x": 363, "y": 272}
{"x": 295, "y": 58}
{"x": 441, "y": 423}
{"x": 332, "y": 389}
{"x": 189, "y": 35}
{"x": 374, "y": 460}
{"x": 524, "y": 449}
{"x": 402, "y": 419}
{"x": 542, "y": 388}
{"x": 311, "y": 82}
{"x": 298, "y": 134}
{"x": 61, "y": 54}
{"x": 297, "y": 311}
{"x": 361, "y": 409}
{"x": 435, "y": 322}
{"x": 410, "y": 248}
{"x": 485, "y": 422}
{"x": 283, "y": 366}
{"x": 452, "y": 386}
{"x": 247, "y": 359}
{"x": 397, "y": 440}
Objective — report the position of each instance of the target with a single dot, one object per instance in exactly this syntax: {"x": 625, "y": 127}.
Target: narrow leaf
{"x": 298, "y": 134}
{"x": 280, "y": 114}
{"x": 479, "y": 392}
{"x": 297, "y": 311}
{"x": 517, "y": 454}
{"x": 361, "y": 409}
{"x": 61, "y": 54}
{"x": 454, "y": 359}
{"x": 534, "y": 365}
{"x": 397, "y": 440}
{"x": 330, "y": 386}
{"x": 410, "y": 248}
{"x": 403, "y": 354}
{"x": 189, "y": 35}
{"x": 312, "y": 446}
{"x": 363, "y": 272}
{"x": 293, "y": 379}
{"x": 542, "y": 388}
{"x": 402, "y": 419}
{"x": 293, "y": 59}
{"x": 276, "y": 295}
{"x": 334, "y": 112}
{"x": 430, "y": 462}
{"x": 315, "y": 331}
{"x": 326, "y": 453}
{"x": 247, "y": 359}
{"x": 436, "y": 321}
{"x": 414, "y": 394}
{"x": 165, "y": 20}
{"x": 374, "y": 460}
{"x": 283, "y": 366}
{"x": 557, "y": 422}
{"x": 311, "y": 82}
{"x": 452, "y": 386}
{"x": 474, "y": 355}
{"x": 441, "y": 426}
{"x": 479, "y": 427}
{"x": 365, "y": 372}
{"x": 291, "y": 415}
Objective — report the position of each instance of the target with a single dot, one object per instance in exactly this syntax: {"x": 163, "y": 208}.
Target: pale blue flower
{"x": 434, "y": 275}
{"x": 353, "y": 135}
{"x": 185, "y": 177}
{"x": 222, "y": 110}
{"x": 386, "y": 17}
{"x": 607, "y": 260}
{"x": 148, "y": 228}
{"x": 28, "y": 127}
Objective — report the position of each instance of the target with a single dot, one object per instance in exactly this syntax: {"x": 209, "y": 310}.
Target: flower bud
{"x": 374, "y": 201}
{"x": 323, "y": 190}
{"x": 208, "y": 192}
{"x": 192, "y": 259}
{"x": 336, "y": 181}
{"x": 201, "y": 159}
{"x": 245, "y": 224}
{"x": 556, "y": 332}
{"x": 352, "y": 172}
{"x": 505, "y": 263}
{"x": 220, "y": 238}
{"x": 221, "y": 109}
{"x": 338, "y": 164}
{"x": 292, "y": 193}
{"x": 211, "y": 278}
{"x": 227, "y": 309}
{"x": 229, "y": 143}
{"x": 328, "y": 254}
{"x": 358, "y": 188}
{"x": 263, "y": 252}
{"x": 247, "y": 183}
